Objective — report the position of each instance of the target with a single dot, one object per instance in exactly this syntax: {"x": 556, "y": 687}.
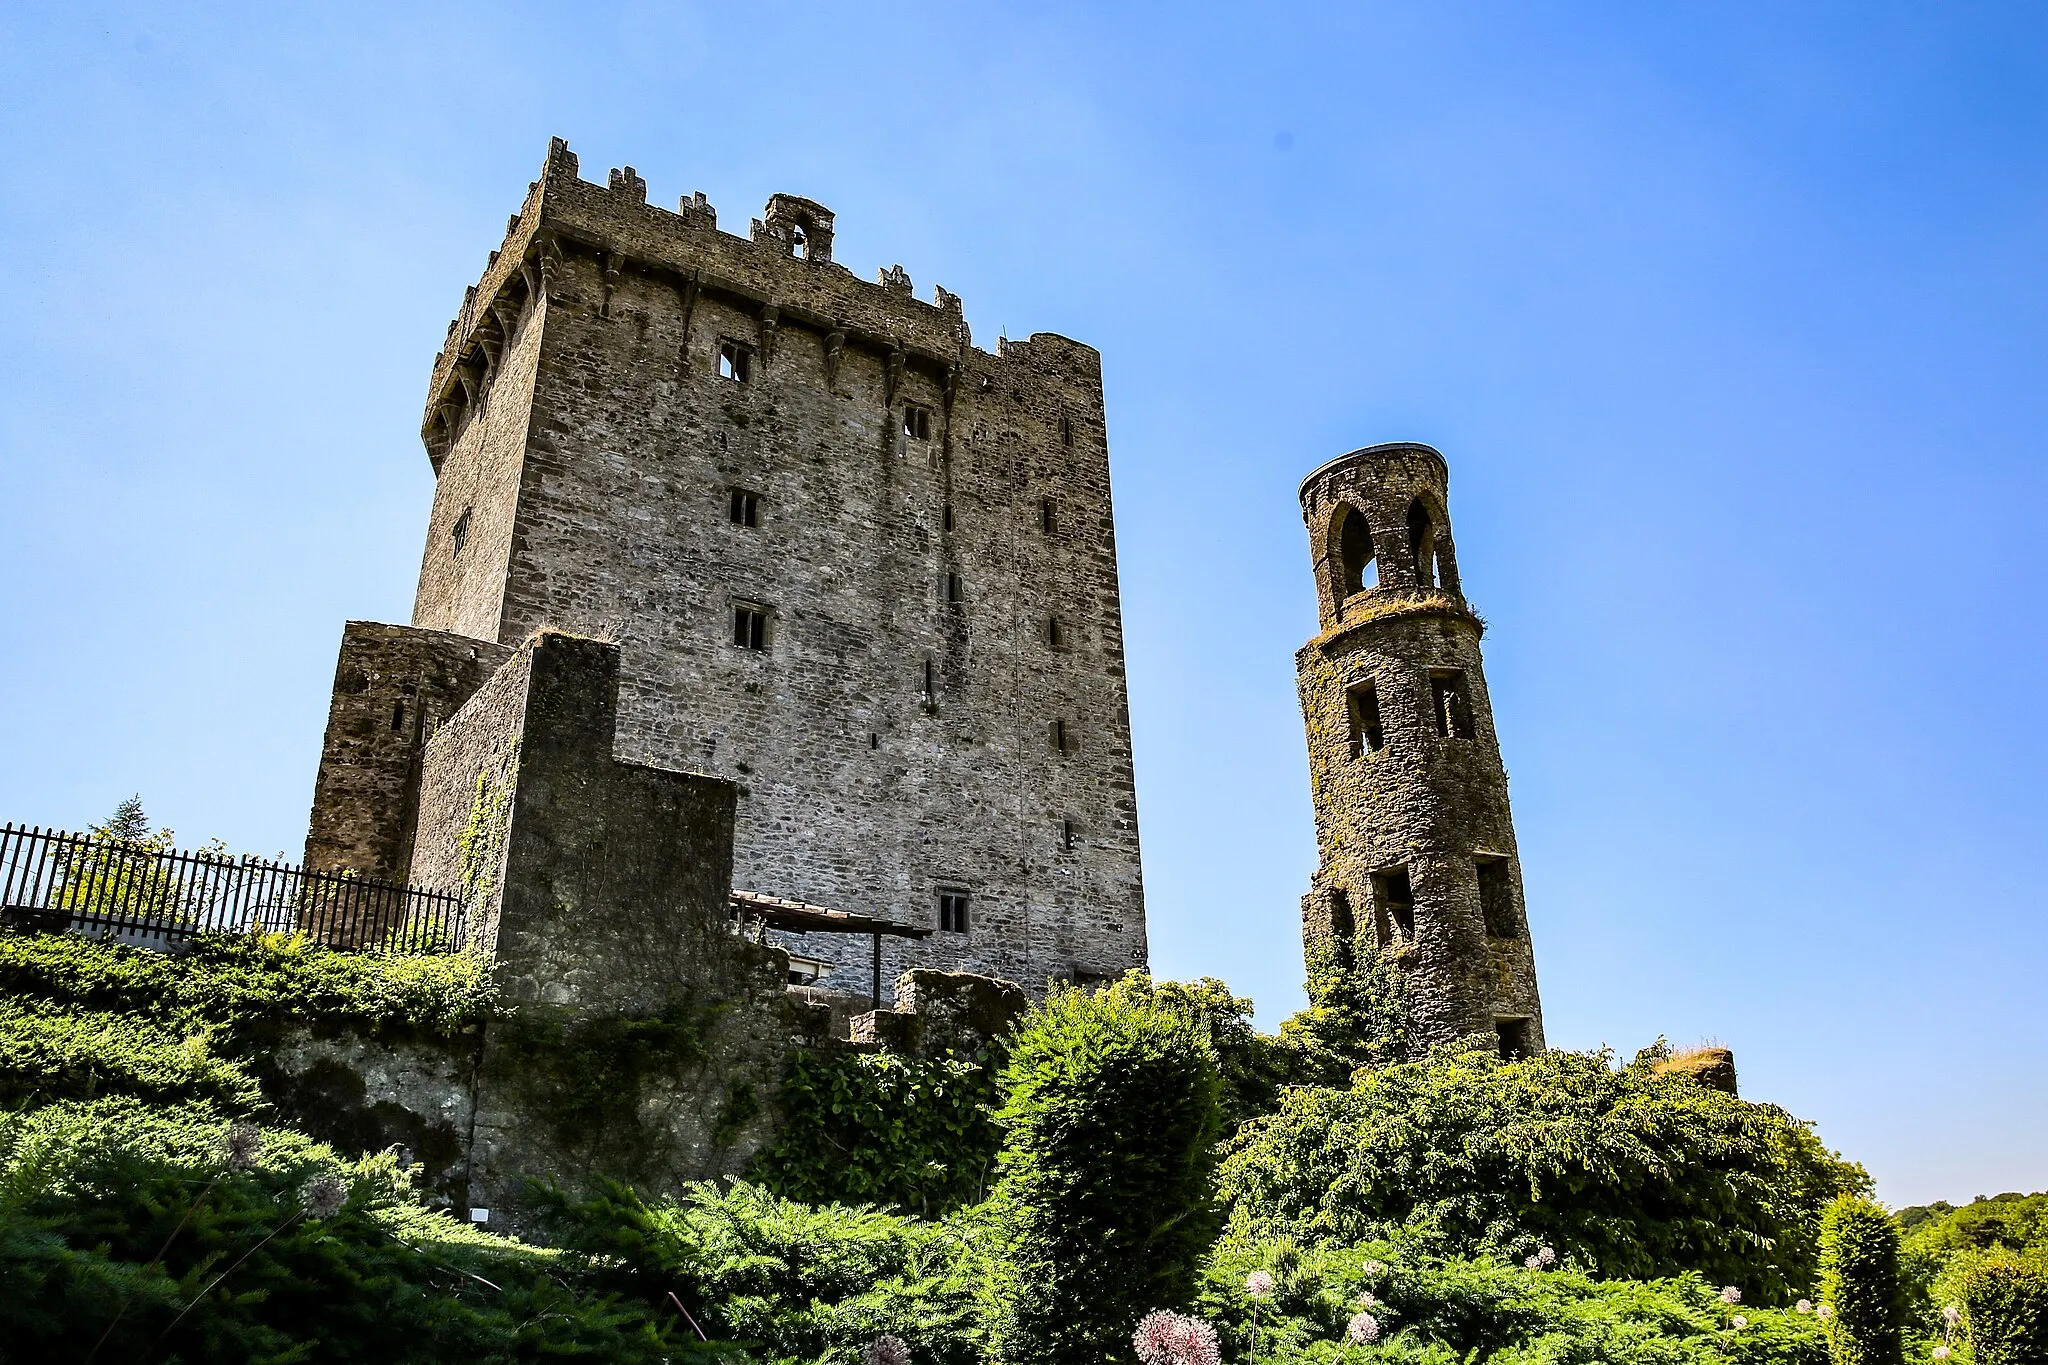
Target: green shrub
{"x": 1103, "y": 1192}
{"x": 1251, "y": 1065}
{"x": 122, "y": 1231}
{"x": 1429, "y": 1305}
{"x": 1357, "y": 1014}
{"x": 1631, "y": 1174}
{"x": 796, "y": 1282}
{"x": 875, "y": 1128}
{"x": 1859, "y": 1281}
{"x": 251, "y": 984}
{"x": 48, "y": 1053}
{"x": 2005, "y": 1310}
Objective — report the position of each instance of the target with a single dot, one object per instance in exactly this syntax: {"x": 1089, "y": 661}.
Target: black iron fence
{"x": 57, "y": 882}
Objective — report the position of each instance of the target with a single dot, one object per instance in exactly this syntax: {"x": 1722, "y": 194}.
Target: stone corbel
{"x": 550, "y": 258}
{"x": 692, "y": 287}
{"x": 771, "y": 316}
{"x": 895, "y": 375}
{"x": 835, "y": 348}
{"x": 614, "y": 266}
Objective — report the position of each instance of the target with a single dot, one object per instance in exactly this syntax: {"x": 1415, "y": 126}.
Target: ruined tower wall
{"x": 1416, "y": 839}
{"x": 393, "y": 686}
{"x": 611, "y": 515}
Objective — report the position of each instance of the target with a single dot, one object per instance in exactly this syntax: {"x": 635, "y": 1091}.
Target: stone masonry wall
{"x": 596, "y": 333}
{"x": 392, "y": 686}
{"x": 1420, "y": 801}
{"x": 646, "y": 1036}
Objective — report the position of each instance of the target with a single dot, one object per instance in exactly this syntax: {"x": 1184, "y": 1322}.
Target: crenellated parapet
{"x": 782, "y": 272}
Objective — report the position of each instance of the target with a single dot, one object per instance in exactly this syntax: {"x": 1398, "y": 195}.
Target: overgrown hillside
{"x": 1134, "y": 1148}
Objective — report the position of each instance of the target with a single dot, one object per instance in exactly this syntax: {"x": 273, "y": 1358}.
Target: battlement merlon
{"x": 785, "y": 263}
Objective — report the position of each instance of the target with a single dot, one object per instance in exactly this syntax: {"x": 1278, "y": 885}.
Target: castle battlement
{"x": 782, "y": 274}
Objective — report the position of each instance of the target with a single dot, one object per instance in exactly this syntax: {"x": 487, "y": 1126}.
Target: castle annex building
{"x": 854, "y": 565}
{"x": 1416, "y": 842}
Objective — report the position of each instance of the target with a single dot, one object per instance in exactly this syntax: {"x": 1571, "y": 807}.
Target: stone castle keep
{"x": 858, "y": 568}
{"x": 1417, "y": 847}
{"x": 759, "y": 609}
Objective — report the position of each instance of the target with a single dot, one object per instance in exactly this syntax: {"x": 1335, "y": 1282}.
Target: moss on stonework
{"x": 587, "y": 1077}
{"x": 482, "y": 840}
{"x": 1383, "y": 605}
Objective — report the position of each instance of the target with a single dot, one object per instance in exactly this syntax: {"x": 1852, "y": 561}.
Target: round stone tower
{"x": 1417, "y": 845}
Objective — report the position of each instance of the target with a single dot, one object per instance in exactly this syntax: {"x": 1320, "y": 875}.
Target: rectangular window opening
{"x": 1061, "y": 740}
{"x": 1066, "y": 430}
{"x": 1067, "y": 835}
{"x": 459, "y": 533}
{"x": 1448, "y": 700}
{"x": 954, "y": 592}
{"x": 946, "y": 516}
{"x": 749, "y": 626}
{"x": 1394, "y": 899}
{"x": 1045, "y": 516}
{"x": 735, "y": 362}
{"x": 745, "y": 508}
{"x": 1497, "y": 898}
{"x": 953, "y": 912}
{"x": 917, "y": 422}
{"x": 928, "y": 679}
{"x": 1513, "y": 1034}
{"x": 1055, "y": 635}
{"x": 1362, "y": 704}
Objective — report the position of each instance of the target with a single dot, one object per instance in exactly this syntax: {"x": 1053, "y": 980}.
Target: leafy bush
{"x": 122, "y": 1231}
{"x": 793, "y": 1281}
{"x": 1430, "y": 1306}
{"x": 247, "y": 984}
{"x": 1251, "y": 1065}
{"x": 48, "y": 1052}
{"x": 1357, "y": 1014}
{"x": 1103, "y": 1194}
{"x": 1859, "y": 1280}
{"x": 2005, "y": 1310}
{"x": 1631, "y": 1174}
{"x": 875, "y": 1128}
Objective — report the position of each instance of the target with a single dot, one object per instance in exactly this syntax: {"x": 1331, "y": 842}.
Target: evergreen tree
{"x": 1859, "y": 1280}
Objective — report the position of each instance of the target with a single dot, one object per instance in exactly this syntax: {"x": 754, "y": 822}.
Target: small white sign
{"x": 479, "y": 1215}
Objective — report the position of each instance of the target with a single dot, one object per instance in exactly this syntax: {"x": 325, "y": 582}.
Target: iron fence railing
{"x": 59, "y": 882}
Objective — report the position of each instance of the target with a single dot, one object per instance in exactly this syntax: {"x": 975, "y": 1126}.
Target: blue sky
{"x": 1727, "y": 317}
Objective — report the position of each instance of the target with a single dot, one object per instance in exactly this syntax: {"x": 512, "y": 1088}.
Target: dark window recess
{"x": 1046, "y": 521}
{"x": 1362, "y": 704}
{"x": 458, "y": 533}
{"x": 1342, "y": 923}
{"x": 946, "y": 516}
{"x": 1452, "y": 707}
{"x": 398, "y": 715}
{"x": 1062, "y": 742}
{"x": 750, "y": 627}
{"x": 799, "y": 244}
{"x": 1066, "y": 430}
{"x": 1067, "y": 835}
{"x": 917, "y": 422}
{"x": 745, "y": 508}
{"x": 1395, "y": 899}
{"x": 1497, "y": 899}
{"x": 1422, "y": 543}
{"x": 735, "y": 362}
{"x": 952, "y": 589}
{"x": 874, "y": 740}
{"x": 1055, "y": 636}
{"x": 1514, "y": 1038}
{"x": 953, "y": 912}
{"x": 928, "y": 688}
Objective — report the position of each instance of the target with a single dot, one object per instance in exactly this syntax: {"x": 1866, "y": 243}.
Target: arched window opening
{"x": 1422, "y": 543}
{"x": 1358, "y": 570}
